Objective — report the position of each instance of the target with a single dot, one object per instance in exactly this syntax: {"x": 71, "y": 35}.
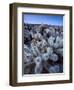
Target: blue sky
{"x": 44, "y": 19}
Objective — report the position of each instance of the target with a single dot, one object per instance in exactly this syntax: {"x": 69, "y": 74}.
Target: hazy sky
{"x": 44, "y": 19}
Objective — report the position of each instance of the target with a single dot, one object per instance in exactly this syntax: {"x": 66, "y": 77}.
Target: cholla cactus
{"x": 28, "y": 57}
{"x": 51, "y": 41}
{"x": 54, "y": 57}
{"x": 54, "y": 69}
{"x": 37, "y": 36}
{"x": 38, "y": 67}
{"x": 49, "y": 50}
{"x": 34, "y": 50}
{"x": 44, "y": 48}
{"x": 58, "y": 43}
{"x": 45, "y": 56}
{"x": 60, "y": 51}
{"x": 43, "y": 43}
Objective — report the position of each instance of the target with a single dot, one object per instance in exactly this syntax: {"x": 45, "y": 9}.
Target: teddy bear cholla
{"x": 41, "y": 50}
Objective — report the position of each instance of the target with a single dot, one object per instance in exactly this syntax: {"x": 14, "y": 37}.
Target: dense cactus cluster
{"x": 43, "y": 49}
